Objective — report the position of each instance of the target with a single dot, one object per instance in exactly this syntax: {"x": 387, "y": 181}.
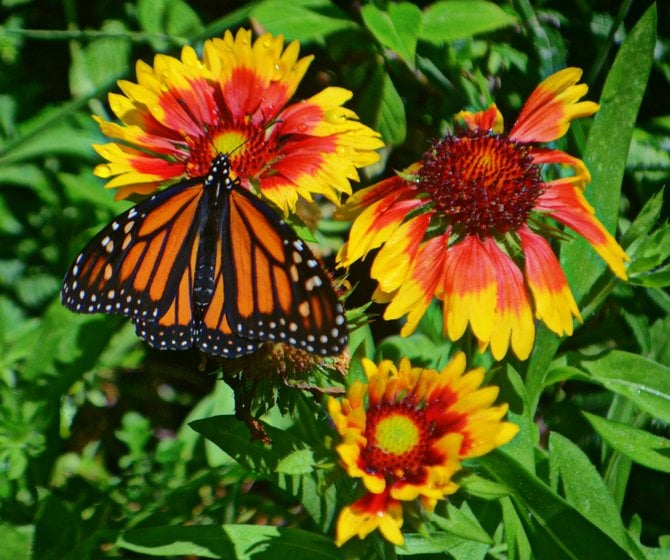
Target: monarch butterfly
{"x": 207, "y": 264}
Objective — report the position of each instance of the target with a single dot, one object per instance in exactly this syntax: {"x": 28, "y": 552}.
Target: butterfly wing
{"x": 142, "y": 265}
{"x": 268, "y": 286}
{"x": 205, "y": 263}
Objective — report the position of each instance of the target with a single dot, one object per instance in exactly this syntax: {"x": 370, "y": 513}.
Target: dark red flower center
{"x": 482, "y": 182}
{"x": 398, "y": 441}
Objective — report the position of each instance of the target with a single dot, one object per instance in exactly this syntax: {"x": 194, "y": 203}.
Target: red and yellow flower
{"x": 182, "y": 112}
{"x": 404, "y": 434}
{"x": 463, "y": 223}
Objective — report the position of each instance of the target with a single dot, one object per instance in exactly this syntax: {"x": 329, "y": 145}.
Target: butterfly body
{"x": 206, "y": 264}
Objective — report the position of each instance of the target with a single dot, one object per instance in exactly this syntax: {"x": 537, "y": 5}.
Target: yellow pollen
{"x": 397, "y": 434}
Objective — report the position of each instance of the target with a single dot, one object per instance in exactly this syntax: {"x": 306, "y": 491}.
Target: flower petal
{"x": 393, "y": 264}
{"x": 420, "y": 285}
{"x": 567, "y": 204}
{"x": 554, "y": 302}
{"x": 547, "y": 113}
{"x": 514, "y": 318}
{"x": 470, "y": 290}
{"x": 491, "y": 119}
{"x": 545, "y": 155}
{"x": 377, "y": 223}
{"x": 372, "y": 511}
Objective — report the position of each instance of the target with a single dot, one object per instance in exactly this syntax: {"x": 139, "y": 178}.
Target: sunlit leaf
{"x": 457, "y": 19}
{"x": 304, "y": 20}
{"x": 396, "y": 29}
{"x": 639, "y": 446}
{"x": 643, "y": 381}
{"x": 586, "y": 491}
{"x": 608, "y": 145}
{"x": 566, "y": 532}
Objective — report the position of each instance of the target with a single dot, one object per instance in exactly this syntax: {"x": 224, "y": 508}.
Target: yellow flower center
{"x": 483, "y": 183}
{"x": 228, "y": 141}
{"x": 397, "y": 434}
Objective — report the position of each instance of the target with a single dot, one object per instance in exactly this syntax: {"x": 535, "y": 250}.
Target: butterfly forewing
{"x": 142, "y": 264}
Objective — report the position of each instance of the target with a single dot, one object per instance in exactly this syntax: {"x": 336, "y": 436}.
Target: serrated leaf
{"x": 458, "y": 19}
{"x": 232, "y": 436}
{"x": 659, "y": 278}
{"x": 586, "y": 490}
{"x": 639, "y": 446}
{"x": 397, "y": 29}
{"x": 639, "y": 379}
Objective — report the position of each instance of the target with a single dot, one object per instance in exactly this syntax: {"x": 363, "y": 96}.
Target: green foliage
{"x": 110, "y": 450}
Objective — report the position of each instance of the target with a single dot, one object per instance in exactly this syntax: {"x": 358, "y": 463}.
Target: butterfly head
{"x": 219, "y": 172}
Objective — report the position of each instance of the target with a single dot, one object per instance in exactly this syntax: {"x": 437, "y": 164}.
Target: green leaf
{"x": 100, "y": 61}
{"x": 608, "y": 144}
{"x": 461, "y": 523}
{"x": 566, "y": 533}
{"x": 167, "y": 20}
{"x": 55, "y": 529}
{"x": 441, "y": 543}
{"x": 585, "y": 490}
{"x": 60, "y": 140}
{"x": 397, "y": 29}
{"x": 16, "y": 541}
{"x": 418, "y": 348}
{"x": 242, "y": 542}
{"x": 652, "y": 252}
{"x": 513, "y": 392}
{"x": 304, "y": 20}
{"x": 458, "y": 19}
{"x": 515, "y": 534}
{"x": 232, "y": 436}
{"x": 643, "y": 381}
{"x": 298, "y": 462}
{"x": 391, "y": 120}
{"x": 644, "y": 222}
{"x": 639, "y": 446}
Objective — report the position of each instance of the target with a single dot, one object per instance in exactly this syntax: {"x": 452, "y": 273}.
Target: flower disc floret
{"x": 481, "y": 182}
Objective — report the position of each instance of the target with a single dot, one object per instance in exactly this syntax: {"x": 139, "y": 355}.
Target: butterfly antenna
{"x": 205, "y": 127}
